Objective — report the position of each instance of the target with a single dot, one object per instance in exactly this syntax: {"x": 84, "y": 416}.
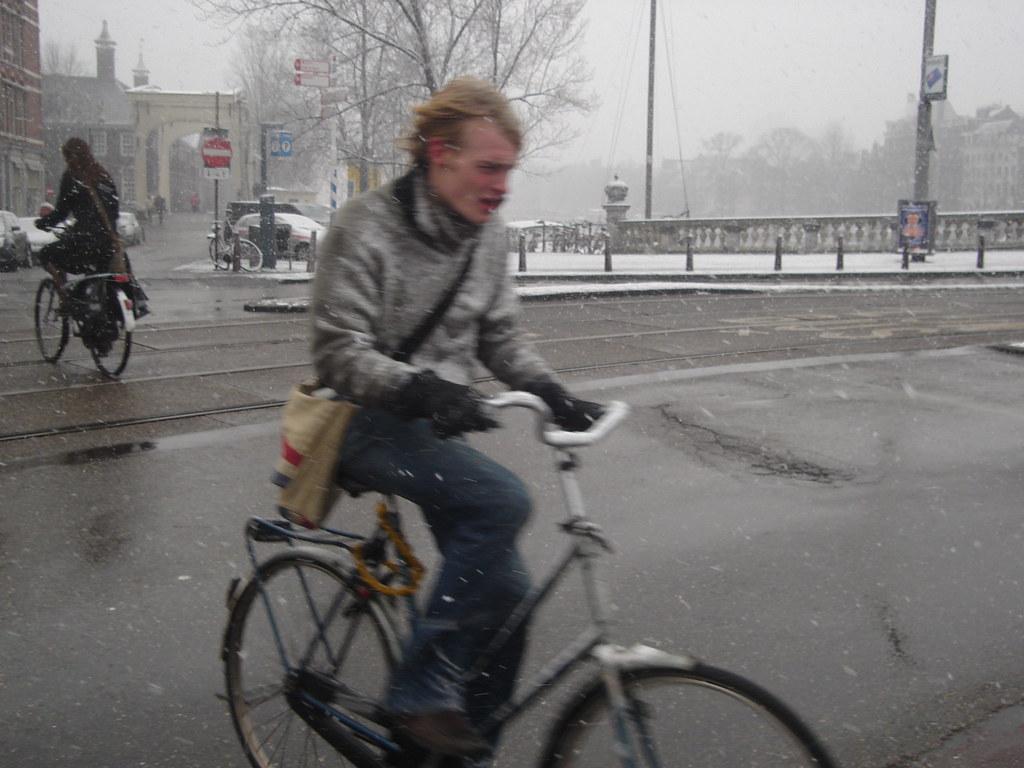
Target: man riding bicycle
{"x": 387, "y": 257}
{"x": 88, "y": 194}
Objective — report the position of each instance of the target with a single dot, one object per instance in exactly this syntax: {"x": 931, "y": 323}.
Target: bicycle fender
{"x": 124, "y": 304}
{"x": 239, "y": 584}
{"x": 638, "y": 656}
{"x": 331, "y": 559}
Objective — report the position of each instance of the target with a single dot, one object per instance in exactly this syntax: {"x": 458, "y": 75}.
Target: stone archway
{"x": 174, "y": 115}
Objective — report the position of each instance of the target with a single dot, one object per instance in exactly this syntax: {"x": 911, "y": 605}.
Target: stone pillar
{"x": 615, "y": 207}
{"x": 812, "y": 239}
{"x": 732, "y": 237}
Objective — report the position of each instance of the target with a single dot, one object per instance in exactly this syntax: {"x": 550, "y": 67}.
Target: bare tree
{"x": 784, "y": 151}
{"x": 61, "y": 58}
{"x": 724, "y": 171}
{"x": 837, "y": 166}
{"x": 393, "y": 52}
{"x": 265, "y": 72}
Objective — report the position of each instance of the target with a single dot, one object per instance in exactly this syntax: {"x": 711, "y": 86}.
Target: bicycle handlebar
{"x": 615, "y": 412}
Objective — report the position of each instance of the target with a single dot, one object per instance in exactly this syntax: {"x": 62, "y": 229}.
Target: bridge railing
{"x": 872, "y": 233}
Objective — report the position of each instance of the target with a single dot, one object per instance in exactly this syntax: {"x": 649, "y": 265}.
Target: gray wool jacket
{"x": 386, "y": 260}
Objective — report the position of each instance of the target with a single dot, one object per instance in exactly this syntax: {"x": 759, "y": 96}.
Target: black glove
{"x": 41, "y": 224}
{"x": 452, "y": 408}
{"x": 570, "y": 413}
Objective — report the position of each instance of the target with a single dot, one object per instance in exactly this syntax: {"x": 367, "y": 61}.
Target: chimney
{"x": 105, "y": 56}
{"x": 140, "y": 73}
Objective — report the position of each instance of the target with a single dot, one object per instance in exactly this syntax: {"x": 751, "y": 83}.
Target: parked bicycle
{"x": 99, "y": 309}
{"x": 313, "y": 634}
{"x": 225, "y": 243}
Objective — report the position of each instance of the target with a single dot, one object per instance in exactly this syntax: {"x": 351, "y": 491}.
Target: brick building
{"x": 21, "y": 112}
{"x": 993, "y": 160}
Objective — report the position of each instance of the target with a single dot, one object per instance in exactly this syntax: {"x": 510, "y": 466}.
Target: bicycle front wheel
{"x": 305, "y": 629}
{"x": 680, "y": 718}
{"x": 219, "y": 255}
{"x": 51, "y": 323}
{"x": 251, "y": 256}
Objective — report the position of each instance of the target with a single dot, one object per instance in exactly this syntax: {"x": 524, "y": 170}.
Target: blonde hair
{"x": 444, "y": 116}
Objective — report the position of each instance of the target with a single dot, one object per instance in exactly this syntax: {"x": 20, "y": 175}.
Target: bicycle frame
{"x": 593, "y": 644}
{"x": 637, "y": 706}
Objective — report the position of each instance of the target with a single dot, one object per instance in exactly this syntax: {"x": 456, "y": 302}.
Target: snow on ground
{"x": 584, "y": 264}
{"x": 716, "y": 272}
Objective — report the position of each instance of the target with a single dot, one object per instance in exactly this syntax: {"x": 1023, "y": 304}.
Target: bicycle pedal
{"x": 317, "y": 685}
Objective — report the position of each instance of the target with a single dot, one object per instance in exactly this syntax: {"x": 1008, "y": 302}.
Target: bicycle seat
{"x": 352, "y": 487}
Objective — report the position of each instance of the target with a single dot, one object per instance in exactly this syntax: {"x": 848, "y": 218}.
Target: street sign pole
{"x": 316, "y": 73}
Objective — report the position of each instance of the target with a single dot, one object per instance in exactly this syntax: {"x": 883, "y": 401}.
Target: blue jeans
{"x": 475, "y": 509}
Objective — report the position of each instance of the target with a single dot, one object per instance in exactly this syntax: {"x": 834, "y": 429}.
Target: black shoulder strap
{"x": 405, "y": 352}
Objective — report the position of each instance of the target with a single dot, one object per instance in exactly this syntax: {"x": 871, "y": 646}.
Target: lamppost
{"x": 925, "y": 141}
{"x": 917, "y": 221}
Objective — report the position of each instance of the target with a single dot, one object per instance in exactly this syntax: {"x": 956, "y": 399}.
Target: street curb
{"x": 574, "y": 286}
{"x": 772, "y": 277}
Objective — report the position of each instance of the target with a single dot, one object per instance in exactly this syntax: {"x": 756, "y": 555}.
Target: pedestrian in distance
{"x": 88, "y": 244}
{"x": 388, "y": 256}
{"x": 159, "y": 207}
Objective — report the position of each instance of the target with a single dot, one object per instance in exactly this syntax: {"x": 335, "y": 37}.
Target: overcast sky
{"x": 743, "y": 66}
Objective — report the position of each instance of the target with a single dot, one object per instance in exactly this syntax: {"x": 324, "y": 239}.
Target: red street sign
{"x": 315, "y": 80}
{"x": 313, "y": 66}
{"x": 216, "y": 152}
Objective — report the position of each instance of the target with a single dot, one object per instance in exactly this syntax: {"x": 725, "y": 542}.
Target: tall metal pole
{"x": 216, "y": 182}
{"x": 650, "y": 115}
{"x": 925, "y": 142}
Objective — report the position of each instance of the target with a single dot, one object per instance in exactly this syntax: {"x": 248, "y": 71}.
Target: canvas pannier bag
{"x": 312, "y": 429}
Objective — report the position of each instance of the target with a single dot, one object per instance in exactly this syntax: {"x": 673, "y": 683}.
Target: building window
{"x": 13, "y": 117}
{"x": 7, "y": 108}
{"x": 10, "y": 36}
{"x": 20, "y": 118}
{"x": 99, "y": 143}
{"x": 127, "y": 145}
{"x": 127, "y": 189}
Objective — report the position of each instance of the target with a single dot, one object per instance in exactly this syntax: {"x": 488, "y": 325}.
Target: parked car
{"x": 293, "y": 232}
{"x": 37, "y": 238}
{"x": 129, "y": 229}
{"x": 14, "y": 248}
{"x": 321, "y": 214}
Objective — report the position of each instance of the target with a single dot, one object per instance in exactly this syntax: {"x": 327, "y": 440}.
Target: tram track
{"x": 617, "y": 335}
{"x": 795, "y": 351}
{"x": 818, "y": 318}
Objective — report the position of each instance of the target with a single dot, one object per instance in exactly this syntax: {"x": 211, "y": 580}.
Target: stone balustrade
{"x": 813, "y": 234}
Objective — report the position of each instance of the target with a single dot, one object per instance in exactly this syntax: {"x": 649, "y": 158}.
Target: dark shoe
{"x": 443, "y": 731}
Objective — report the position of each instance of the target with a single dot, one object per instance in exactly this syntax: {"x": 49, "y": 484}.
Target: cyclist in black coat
{"x": 88, "y": 244}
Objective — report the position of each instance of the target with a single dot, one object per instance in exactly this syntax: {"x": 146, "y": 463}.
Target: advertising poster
{"x": 916, "y": 221}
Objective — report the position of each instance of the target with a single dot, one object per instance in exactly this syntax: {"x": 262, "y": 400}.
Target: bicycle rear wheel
{"x": 111, "y": 343}
{"x": 51, "y": 323}
{"x": 251, "y": 256}
{"x": 328, "y": 640}
{"x": 683, "y": 718}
